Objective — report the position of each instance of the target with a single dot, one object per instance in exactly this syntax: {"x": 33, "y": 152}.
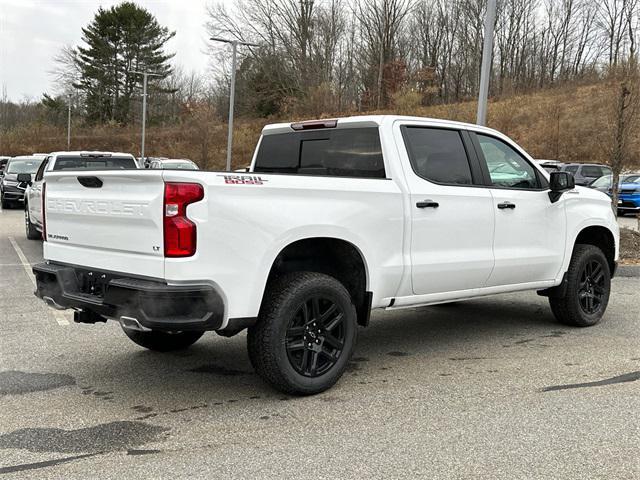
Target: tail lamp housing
{"x": 180, "y": 233}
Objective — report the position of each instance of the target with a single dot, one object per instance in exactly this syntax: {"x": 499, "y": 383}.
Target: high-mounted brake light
{"x": 180, "y": 232}
{"x": 44, "y": 211}
{"x": 314, "y": 124}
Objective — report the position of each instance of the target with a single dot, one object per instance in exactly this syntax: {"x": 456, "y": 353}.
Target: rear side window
{"x": 438, "y": 155}
{"x": 347, "y": 152}
{"x": 571, "y": 169}
{"x": 594, "y": 171}
{"x": 94, "y": 163}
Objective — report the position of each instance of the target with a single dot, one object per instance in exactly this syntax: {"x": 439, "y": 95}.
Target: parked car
{"x": 64, "y": 161}
{"x": 585, "y": 173}
{"x": 603, "y": 184}
{"x": 173, "y": 164}
{"x": 335, "y": 218}
{"x": 3, "y": 164}
{"x": 11, "y": 187}
{"x": 629, "y": 197}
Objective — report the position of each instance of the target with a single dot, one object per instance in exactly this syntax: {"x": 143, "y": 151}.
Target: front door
{"x": 530, "y": 230}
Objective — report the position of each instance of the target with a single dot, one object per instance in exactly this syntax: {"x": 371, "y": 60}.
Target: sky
{"x": 32, "y": 32}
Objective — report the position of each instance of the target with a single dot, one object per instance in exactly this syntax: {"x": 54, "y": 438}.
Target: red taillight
{"x": 179, "y": 231}
{"x": 44, "y": 212}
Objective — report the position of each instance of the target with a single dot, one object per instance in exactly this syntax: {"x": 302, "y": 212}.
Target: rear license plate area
{"x": 92, "y": 282}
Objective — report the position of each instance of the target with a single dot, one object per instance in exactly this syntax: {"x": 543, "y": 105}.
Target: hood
{"x": 594, "y": 194}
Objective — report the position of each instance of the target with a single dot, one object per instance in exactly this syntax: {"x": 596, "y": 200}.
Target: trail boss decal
{"x": 243, "y": 179}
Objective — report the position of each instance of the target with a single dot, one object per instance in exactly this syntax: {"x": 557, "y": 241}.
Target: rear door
{"x": 530, "y": 230}
{"x": 452, "y": 220}
{"x": 109, "y": 220}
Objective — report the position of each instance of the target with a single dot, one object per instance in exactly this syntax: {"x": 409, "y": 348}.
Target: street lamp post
{"x": 145, "y": 76}
{"x": 232, "y": 90}
{"x": 69, "y": 125}
{"x": 485, "y": 72}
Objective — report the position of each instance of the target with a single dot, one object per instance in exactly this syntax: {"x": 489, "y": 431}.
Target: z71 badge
{"x": 243, "y": 179}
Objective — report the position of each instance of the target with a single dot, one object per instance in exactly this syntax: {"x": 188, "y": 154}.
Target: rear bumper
{"x": 152, "y": 303}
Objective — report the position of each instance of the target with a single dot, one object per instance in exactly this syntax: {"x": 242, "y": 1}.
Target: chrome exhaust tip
{"x": 131, "y": 323}
{"x": 52, "y": 303}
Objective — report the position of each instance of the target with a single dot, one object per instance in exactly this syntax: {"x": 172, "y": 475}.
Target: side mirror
{"x": 560, "y": 182}
{"x": 24, "y": 178}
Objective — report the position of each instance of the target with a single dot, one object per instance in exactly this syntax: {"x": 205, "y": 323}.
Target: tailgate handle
{"x": 90, "y": 182}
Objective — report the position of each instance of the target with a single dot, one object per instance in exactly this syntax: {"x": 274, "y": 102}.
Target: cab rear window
{"x": 347, "y": 152}
{"x": 94, "y": 163}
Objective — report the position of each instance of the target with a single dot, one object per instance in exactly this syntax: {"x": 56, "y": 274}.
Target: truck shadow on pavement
{"x": 219, "y": 368}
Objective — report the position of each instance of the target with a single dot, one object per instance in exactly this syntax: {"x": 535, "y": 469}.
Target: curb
{"x": 628, "y": 271}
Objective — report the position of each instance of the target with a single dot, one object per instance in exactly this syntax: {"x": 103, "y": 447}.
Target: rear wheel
{"x": 305, "y": 333}
{"x": 31, "y": 230}
{"x": 588, "y": 288}
{"x": 163, "y": 341}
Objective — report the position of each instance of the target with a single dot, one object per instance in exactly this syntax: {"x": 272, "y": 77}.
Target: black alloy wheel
{"x": 592, "y": 287}
{"x": 315, "y": 337}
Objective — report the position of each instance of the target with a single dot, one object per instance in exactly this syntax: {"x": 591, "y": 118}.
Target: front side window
{"x": 572, "y": 169}
{"x": 438, "y": 155}
{"x": 507, "y": 168}
{"x": 346, "y": 152}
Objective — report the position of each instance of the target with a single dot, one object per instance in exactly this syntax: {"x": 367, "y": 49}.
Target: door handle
{"x": 427, "y": 204}
{"x": 504, "y": 205}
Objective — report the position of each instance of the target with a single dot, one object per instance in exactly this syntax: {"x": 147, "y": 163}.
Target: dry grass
{"x": 569, "y": 123}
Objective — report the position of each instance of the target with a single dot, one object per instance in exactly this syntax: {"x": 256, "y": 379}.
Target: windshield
{"x": 602, "y": 182}
{"x": 179, "y": 166}
{"x": 94, "y": 163}
{"x": 29, "y": 165}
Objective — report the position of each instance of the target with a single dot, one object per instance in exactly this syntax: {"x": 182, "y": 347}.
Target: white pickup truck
{"x": 334, "y": 218}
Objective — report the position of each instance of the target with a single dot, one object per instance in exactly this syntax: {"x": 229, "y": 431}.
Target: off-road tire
{"x": 163, "y": 341}
{"x": 31, "y": 230}
{"x": 567, "y": 309}
{"x": 267, "y": 339}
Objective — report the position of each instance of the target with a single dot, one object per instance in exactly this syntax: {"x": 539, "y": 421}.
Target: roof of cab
{"x": 378, "y": 120}
{"x": 90, "y": 152}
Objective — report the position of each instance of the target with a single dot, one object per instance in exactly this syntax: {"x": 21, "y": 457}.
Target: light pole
{"x": 485, "y": 71}
{"x": 69, "y": 125}
{"x": 145, "y": 76}
{"x": 232, "y": 90}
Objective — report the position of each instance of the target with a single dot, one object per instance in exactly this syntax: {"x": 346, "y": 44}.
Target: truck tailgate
{"x": 108, "y": 220}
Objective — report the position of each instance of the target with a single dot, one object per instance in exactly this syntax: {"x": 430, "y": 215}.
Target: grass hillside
{"x": 571, "y": 123}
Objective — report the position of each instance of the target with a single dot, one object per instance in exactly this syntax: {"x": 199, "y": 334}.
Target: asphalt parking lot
{"x": 490, "y": 388}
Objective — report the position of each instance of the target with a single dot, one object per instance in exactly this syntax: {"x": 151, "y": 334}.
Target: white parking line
{"x": 57, "y": 315}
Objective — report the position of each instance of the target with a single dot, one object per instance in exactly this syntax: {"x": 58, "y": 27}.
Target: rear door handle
{"x": 427, "y": 204}
{"x": 504, "y": 205}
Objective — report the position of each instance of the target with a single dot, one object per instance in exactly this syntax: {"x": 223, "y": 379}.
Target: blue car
{"x": 629, "y": 198}
{"x": 628, "y": 191}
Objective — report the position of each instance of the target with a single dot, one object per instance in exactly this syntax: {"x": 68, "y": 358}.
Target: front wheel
{"x": 31, "y": 230}
{"x": 5, "y": 203}
{"x": 163, "y": 341}
{"x": 305, "y": 334}
{"x": 588, "y": 288}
